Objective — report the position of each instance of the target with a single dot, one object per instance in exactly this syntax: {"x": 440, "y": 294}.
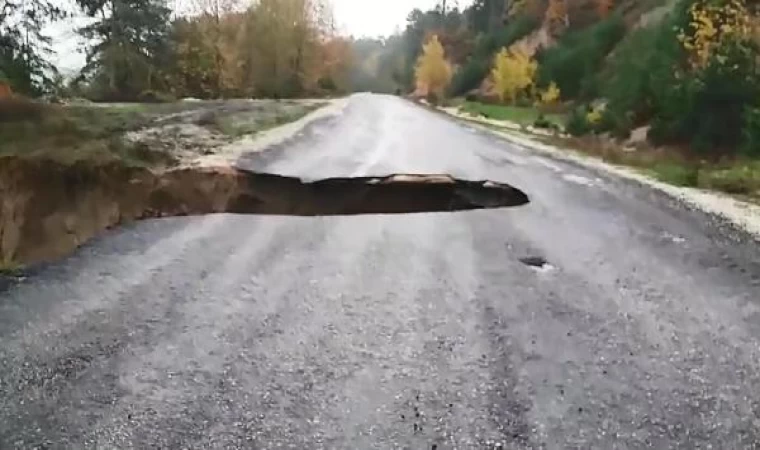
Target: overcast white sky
{"x": 379, "y": 17}
{"x": 370, "y": 18}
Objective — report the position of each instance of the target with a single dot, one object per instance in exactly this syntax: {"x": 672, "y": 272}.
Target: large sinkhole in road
{"x": 50, "y": 208}
{"x": 393, "y": 194}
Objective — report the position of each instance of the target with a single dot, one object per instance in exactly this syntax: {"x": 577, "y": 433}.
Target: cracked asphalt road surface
{"x": 602, "y": 315}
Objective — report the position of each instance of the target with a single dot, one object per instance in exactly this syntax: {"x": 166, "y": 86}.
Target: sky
{"x": 360, "y": 18}
{"x": 372, "y": 18}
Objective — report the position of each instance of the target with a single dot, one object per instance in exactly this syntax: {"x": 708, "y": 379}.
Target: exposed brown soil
{"x": 49, "y": 208}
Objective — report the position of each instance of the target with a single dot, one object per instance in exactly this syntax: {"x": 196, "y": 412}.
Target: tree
{"x": 24, "y": 48}
{"x": 336, "y": 59}
{"x": 129, "y": 41}
{"x": 713, "y": 27}
{"x": 433, "y": 72}
{"x": 193, "y": 69}
{"x": 213, "y": 23}
{"x": 513, "y": 73}
{"x": 281, "y": 43}
{"x": 551, "y": 95}
{"x": 604, "y": 7}
{"x": 556, "y": 17}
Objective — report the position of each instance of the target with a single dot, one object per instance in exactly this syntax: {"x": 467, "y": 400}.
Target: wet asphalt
{"x": 602, "y": 315}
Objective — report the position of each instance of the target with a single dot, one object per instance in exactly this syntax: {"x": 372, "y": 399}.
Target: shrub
{"x": 619, "y": 124}
{"x": 751, "y": 132}
{"x": 433, "y": 98}
{"x": 594, "y": 116}
{"x": 677, "y": 174}
{"x": 155, "y": 97}
{"x": 741, "y": 179}
{"x": 577, "y": 123}
{"x": 17, "y": 109}
{"x": 469, "y": 76}
{"x": 707, "y": 108}
{"x": 543, "y": 123}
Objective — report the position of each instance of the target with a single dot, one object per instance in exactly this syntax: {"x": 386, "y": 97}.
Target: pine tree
{"x": 24, "y": 48}
{"x": 129, "y": 38}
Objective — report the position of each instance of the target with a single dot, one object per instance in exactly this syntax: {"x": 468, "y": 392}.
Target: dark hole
{"x": 534, "y": 261}
{"x": 138, "y": 193}
{"x": 395, "y": 194}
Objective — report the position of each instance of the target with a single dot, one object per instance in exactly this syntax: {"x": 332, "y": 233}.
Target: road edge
{"x": 744, "y": 215}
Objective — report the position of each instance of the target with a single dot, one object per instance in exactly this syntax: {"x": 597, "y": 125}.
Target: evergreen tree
{"x": 24, "y": 48}
{"x": 130, "y": 39}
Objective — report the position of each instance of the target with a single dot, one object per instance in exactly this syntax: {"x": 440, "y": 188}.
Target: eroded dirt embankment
{"x": 48, "y": 208}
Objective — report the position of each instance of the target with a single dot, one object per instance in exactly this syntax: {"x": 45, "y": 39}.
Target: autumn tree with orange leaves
{"x": 556, "y": 17}
{"x": 604, "y": 7}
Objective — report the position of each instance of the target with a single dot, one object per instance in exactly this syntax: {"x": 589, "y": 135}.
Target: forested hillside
{"x": 687, "y": 68}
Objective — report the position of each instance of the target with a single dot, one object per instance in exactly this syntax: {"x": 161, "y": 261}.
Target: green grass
{"x": 524, "y": 116}
{"x": 736, "y": 176}
{"x": 741, "y": 177}
{"x": 10, "y": 269}
{"x": 69, "y": 134}
{"x": 95, "y": 132}
{"x": 248, "y": 124}
{"x": 675, "y": 174}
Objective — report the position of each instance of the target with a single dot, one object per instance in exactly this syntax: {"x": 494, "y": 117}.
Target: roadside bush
{"x": 677, "y": 174}
{"x": 470, "y": 75}
{"x": 577, "y": 123}
{"x": 155, "y": 97}
{"x": 543, "y": 123}
{"x": 433, "y": 98}
{"x": 616, "y": 123}
{"x": 751, "y": 132}
{"x": 742, "y": 179}
{"x": 707, "y": 109}
{"x": 18, "y": 109}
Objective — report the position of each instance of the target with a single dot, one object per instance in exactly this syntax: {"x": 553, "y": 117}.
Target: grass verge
{"x": 240, "y": 125}
{"x": 735, "y": 176}
{"x": 98, "y": 133}
{"x": 10, "y": 269}
{"x": 739, "y": 177}
{"x": 524, "y": 116}
{"x": 69, "y": 134}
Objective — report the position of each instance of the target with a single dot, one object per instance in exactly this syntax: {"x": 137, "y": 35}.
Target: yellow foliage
{"x": 551, "y": 95}
{"x": 433, "y": 73}
{"x": 711, "y": 26}
{"x": 513, "y": 73}
{"x": 595, "y": 115}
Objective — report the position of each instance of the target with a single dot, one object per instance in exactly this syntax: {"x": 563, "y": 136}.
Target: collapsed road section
{"x": 49, "y": 208}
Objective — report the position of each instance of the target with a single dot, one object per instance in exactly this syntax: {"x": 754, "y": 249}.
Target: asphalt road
{"x": 420, "y": 332}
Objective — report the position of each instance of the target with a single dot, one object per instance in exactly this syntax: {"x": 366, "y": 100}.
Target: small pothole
{"x": 537, "y": 263}
{"x": 534, "y": 261}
